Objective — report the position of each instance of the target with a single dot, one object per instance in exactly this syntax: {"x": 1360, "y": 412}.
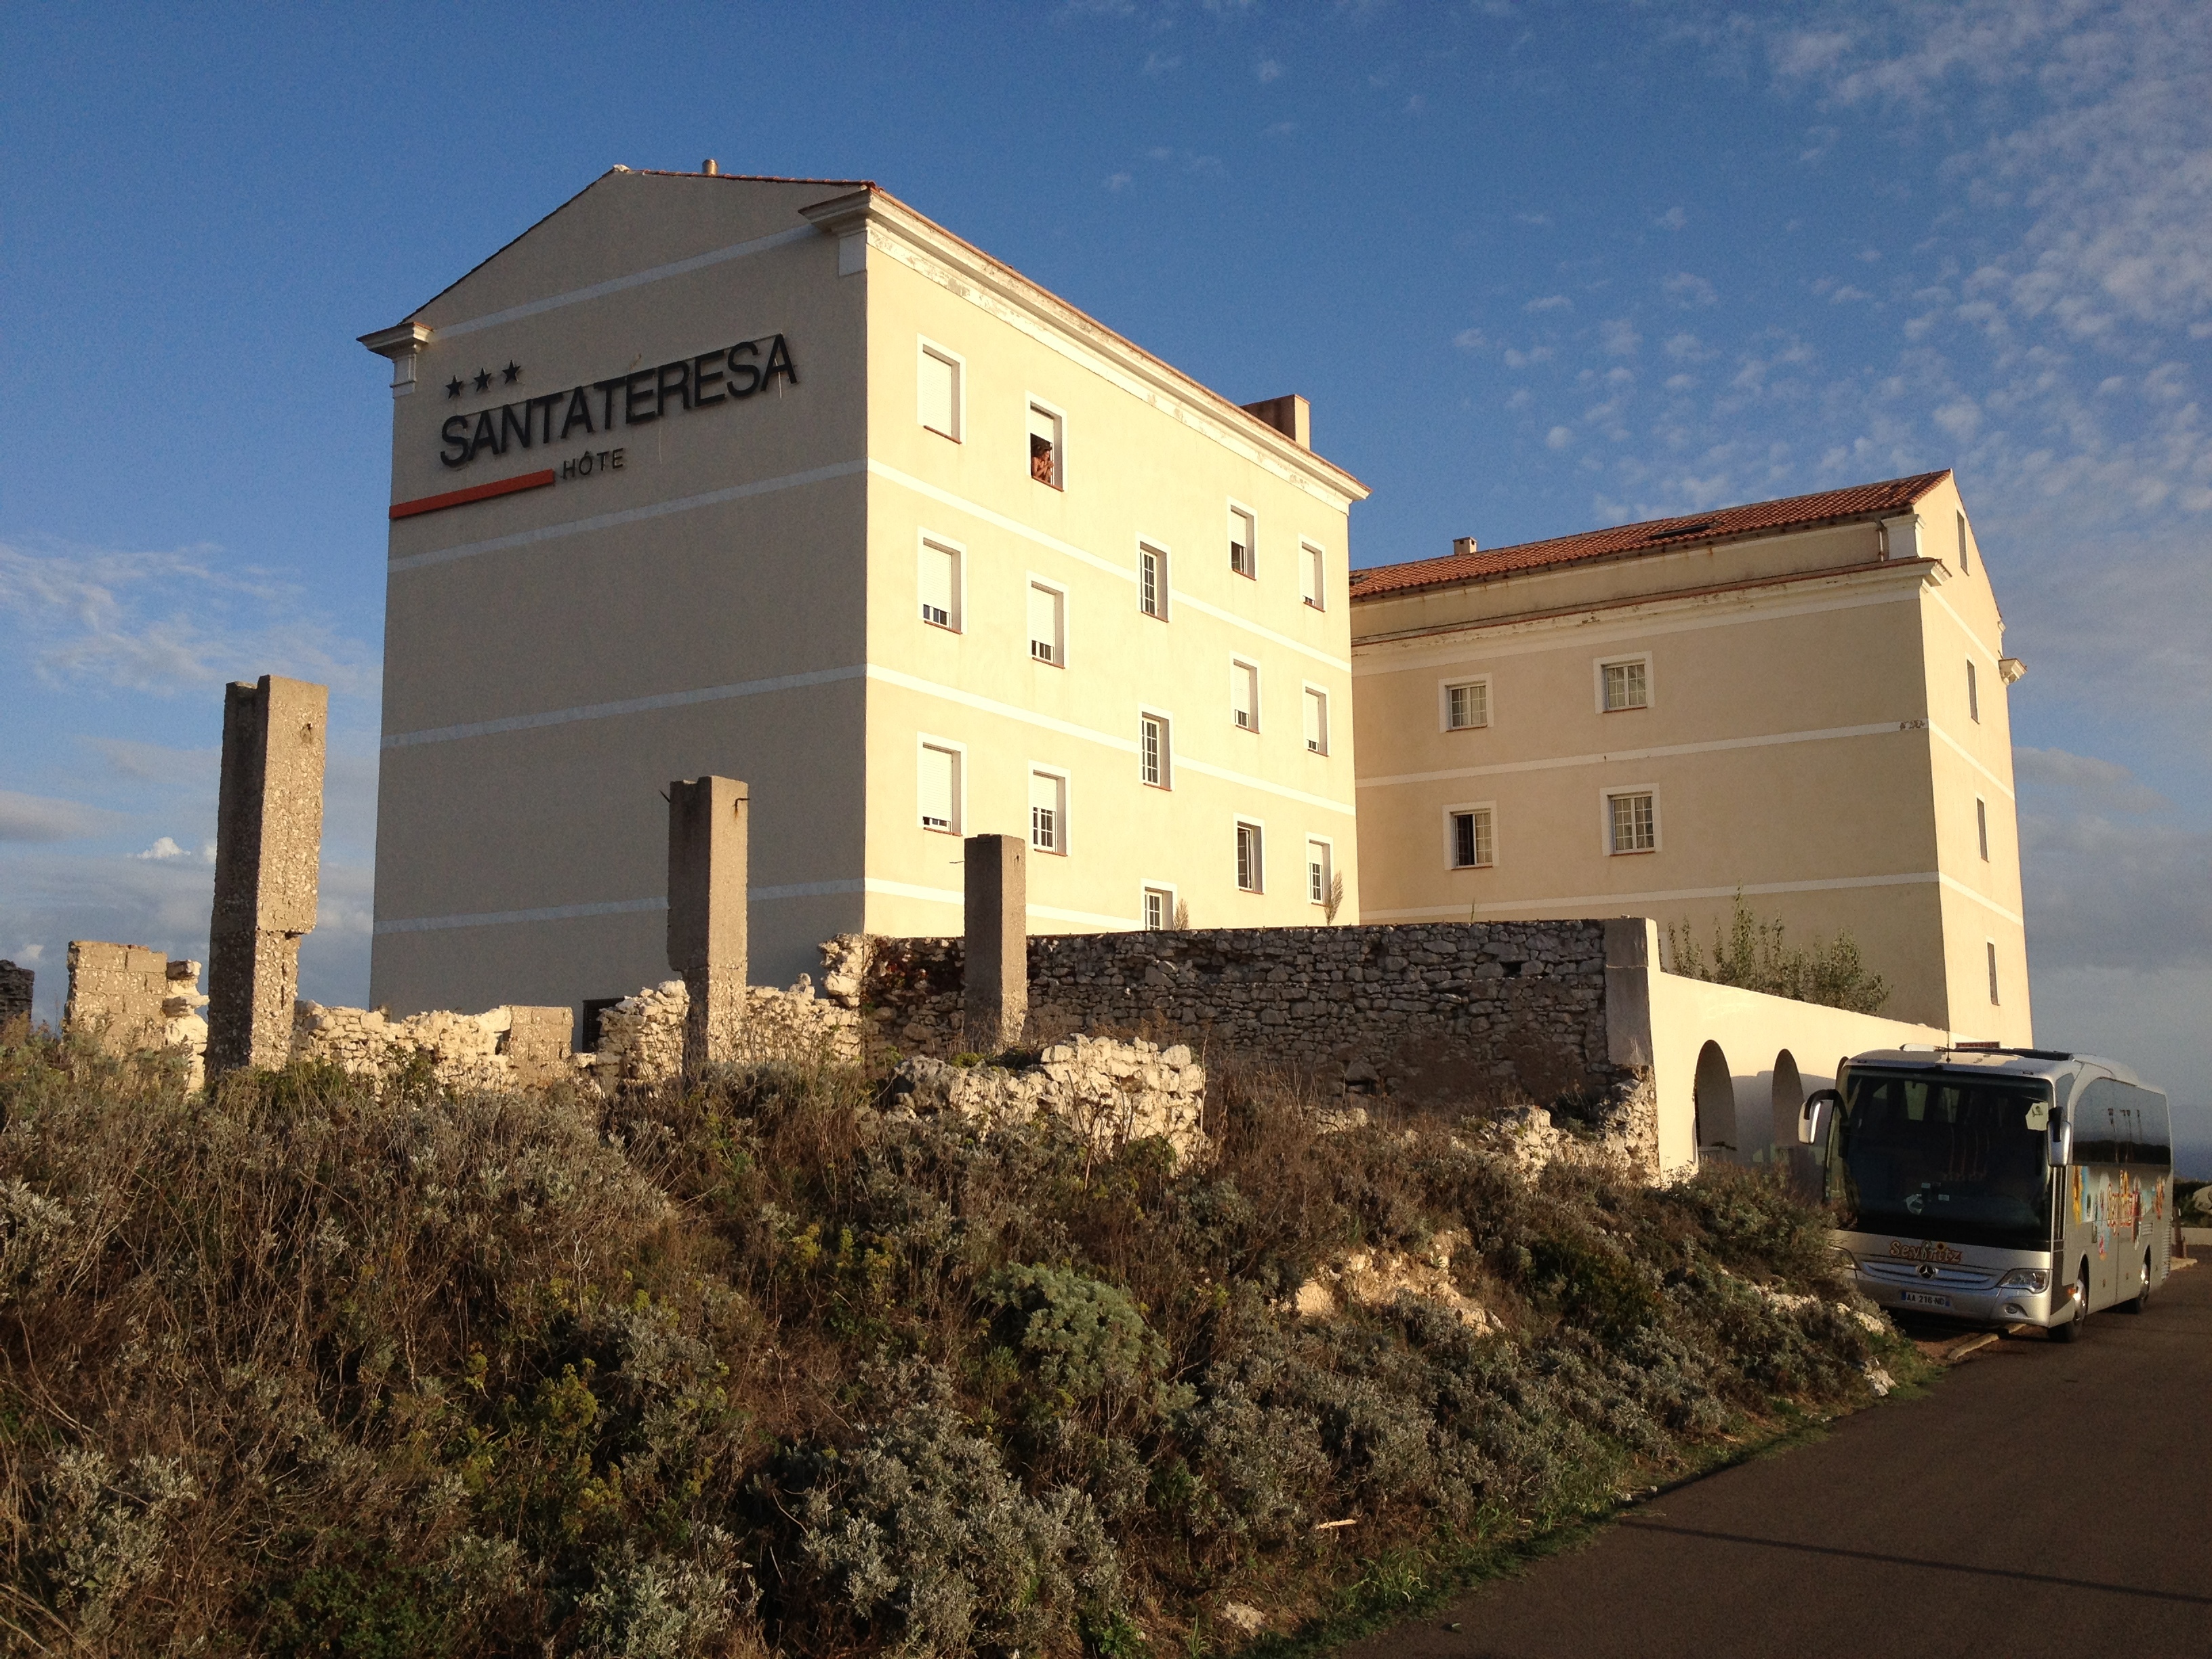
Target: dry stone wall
{"x": 496, "y": 1049}
{"x": 15, "y": 985}
{"x": 1431, "y": 1013}
{"x": 641, "y": 1036}
{"x": 1112, "y": 1092}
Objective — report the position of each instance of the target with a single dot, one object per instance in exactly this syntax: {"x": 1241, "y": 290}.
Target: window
{"x": 1047, "y": 624}
{"x": 1963, "y": 565}
{"x": 1991, "y": 946}
{"x": 1631, "y": 826}
{"x": 1152, "y": 581}
{"x": 1473, "y": 846}
{"x": 1244, "y": 694}
{"x": 1467, "y": 706}
{"x": 1311, "y": 574}
{"x": 1248, "y": 857}
{"x": 1159, "y": 909}
{"x": 940, "y": 391}
{"x": 1047, "y": 462}
{"x": 1048, "y": 812}
{"x": 1154, "y": 758}
{"x": 1973, "y": 695}
{"x": 1317, "y": 700}
{"x": 1319, "y": 874}
{"x": 1625, "y": 684}
{"x": 1982, "y": 825}
{"x": 940, "y": 788}
{"x": 940, "y": 584}
{"x": 1243, "y": 548}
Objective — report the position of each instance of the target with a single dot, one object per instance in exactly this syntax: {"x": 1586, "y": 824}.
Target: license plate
{"x": 1924, "y": 1298}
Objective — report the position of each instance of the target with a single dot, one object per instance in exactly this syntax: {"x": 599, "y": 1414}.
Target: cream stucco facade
{"x": 706, "y": 474}
{"x": 1809, "y": 705}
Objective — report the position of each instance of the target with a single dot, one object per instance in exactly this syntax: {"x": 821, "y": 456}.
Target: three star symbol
{"x": 510, "y": 375}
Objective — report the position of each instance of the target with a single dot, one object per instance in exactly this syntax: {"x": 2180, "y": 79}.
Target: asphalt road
{"x": 2039, "y": 1499}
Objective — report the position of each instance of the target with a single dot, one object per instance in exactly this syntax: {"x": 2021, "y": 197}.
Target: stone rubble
{"x": 1111, "y": 1091}
{"x": 1526, "y": 1137}
{"x": 1375, "y": 1279}
{"x": 641, "y": 1036}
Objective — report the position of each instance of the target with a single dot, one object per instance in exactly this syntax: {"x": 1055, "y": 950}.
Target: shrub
{"x": 1750, "y": 953}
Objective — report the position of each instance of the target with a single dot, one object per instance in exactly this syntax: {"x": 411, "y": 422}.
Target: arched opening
{"x": 1714, "y": 1102}
{"x": 1788, "y": 1099}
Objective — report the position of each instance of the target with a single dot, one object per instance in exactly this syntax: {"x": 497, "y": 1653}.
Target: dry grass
{"x": 293, "y": 1369}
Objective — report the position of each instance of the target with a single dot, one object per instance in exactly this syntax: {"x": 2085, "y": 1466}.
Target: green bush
{"x": 1750, "y": 953}
{"x": 293, "y": 1370}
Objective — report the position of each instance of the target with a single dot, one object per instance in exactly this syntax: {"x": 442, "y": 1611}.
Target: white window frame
{"x": 959, "y": 752}
{"x": 1445, "y": 688}
{"x": 1144, "y": 890}
{"x": 1599, "y": 665}
{"x": 1982, "y": 825}
{"x": 1060, "y": 646}
{"x": 1313, "y": 563}
{"x": 1159, "y": 550}
{"x": 925, "y": 347}
{"x": 1061, "y": 776}
{"x": 1145, "y": 712}
{"x": 1973, "y": 694}
{"x": 1259, "y": 828}
{"x": 1251, "y": 572}
{"x": 928, "y": 538}
{"x": 1312, "y": 841}
{"x": 1605, "y": 818}
{"x": 1244, "y": 665}
{"x": 1990, "y": 948}
{"x": 1036, "y": 406}
{"x": 1310, "y": 690}
{"x": 1451, "y": 839}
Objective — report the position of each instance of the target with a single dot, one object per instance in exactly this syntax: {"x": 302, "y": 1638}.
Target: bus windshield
{"x": 1941, "y": 1155}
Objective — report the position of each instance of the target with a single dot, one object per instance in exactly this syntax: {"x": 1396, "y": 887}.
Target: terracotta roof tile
{"x": 1723, "y": 524}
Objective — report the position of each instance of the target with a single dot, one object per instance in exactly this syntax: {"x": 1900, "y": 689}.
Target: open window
{"x": 1316, "y": 717}
{"x": 939, "y": 787}
{"x": 1155, "y": 752}
{"x": 1312, "y": 575}
{"x": 1049, "y": 810}
{"x": 940, "y": 391}
{"x": 940, "y": 584}
{"x": 1047, "y": 457}
{"x": 1244, "y": 694}
{"x": 1251, "y": 871}
{"x": 1152, "y": 580}
{"x": 1047, "y": 624}
{"x": 1470, "y": 837}
{"x": 1244, "y": 543}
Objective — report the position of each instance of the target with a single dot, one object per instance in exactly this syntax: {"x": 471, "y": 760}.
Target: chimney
{"x": 1462, "y": 546}
{"x": 708, "y": 167}
{"x": 1291, "y": 416}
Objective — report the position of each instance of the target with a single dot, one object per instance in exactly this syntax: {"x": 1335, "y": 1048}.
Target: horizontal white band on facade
{"x": 753, "y": 896}
{"x": 1984, "y": 900}
{"x": 1126, "y": 572}
{"x": 1585, "y": 906}
{"x": 510, "y": 918}
{"x": 1553, "y": 763}
{"x": 1995, "y": 658}
{"x": 1959, "y": 748}
{"x": 617, "y": 284}
{"x": 600, "y": 711}
{"x": 628, "y": 515}
{"x": 1447, "y": 646}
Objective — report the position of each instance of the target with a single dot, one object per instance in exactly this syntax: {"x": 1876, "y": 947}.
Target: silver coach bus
{"x": 1998, "y": 1185}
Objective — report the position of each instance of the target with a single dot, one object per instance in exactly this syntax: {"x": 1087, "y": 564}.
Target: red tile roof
{"x": 1723, "y": 524}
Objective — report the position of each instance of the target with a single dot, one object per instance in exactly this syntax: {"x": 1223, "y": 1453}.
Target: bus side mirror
{"x": 1814, "y": 1116}
{"x": 2061, "y": 1139}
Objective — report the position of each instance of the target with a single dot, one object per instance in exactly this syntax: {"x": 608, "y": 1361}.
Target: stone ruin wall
{"x": 1433, "y": 1016}
{"x": 15, "y": 987}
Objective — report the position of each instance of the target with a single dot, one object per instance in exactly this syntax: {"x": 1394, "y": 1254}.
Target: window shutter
{"x": 1316, "y": 723}
{"x": 938, "y": 585}
{"x": 1044, "y": 624}
{"x": 940, "y": 395}
{"x": 940, "y": 788}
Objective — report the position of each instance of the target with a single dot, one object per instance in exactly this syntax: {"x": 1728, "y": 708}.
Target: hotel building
{"x": 1802, "y": 700}
{"x": 779, "y": 480}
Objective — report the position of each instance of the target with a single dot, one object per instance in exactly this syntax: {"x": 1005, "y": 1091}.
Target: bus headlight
{"x": 2036, "y": 1280}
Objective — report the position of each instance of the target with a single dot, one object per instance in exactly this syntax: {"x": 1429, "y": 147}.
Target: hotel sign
{"x": 593, "y": 411}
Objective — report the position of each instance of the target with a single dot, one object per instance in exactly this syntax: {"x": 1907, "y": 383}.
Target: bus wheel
{"x": 2079, "y": 1290}
{"x": 2142, "y": 1299}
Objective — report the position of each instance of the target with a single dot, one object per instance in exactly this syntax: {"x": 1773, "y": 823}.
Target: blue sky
{"x": 1539, "y": 267}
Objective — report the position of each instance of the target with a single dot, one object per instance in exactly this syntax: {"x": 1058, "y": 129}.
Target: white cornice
{"x": 889, "y": 226}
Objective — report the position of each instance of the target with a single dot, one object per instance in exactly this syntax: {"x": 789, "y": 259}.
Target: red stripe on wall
{"x": 483, "y": 492}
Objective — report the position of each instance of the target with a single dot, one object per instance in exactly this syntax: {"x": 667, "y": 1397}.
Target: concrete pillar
{"x": 996, "y": 892}
{"x": 708, "y": 819}
{"x": 267, "y": 840}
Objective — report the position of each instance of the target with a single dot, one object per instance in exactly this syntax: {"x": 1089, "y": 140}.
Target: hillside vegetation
{"x": 759, "y": 1367}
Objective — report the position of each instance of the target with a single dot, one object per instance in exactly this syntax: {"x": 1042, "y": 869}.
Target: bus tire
{"x": 2071, "y": 1330}
{"x": 2141, "y": 1300}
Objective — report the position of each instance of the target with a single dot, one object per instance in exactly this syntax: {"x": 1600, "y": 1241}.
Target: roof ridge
{"x": 1649, "y": 535}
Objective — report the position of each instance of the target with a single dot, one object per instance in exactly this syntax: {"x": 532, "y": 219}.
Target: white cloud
{"x": 1268, "y": 69}
{"x": 1621, "y": 337}
{"x": 1559, "y": 437}
{"x": 2106, "y": 783}
{"x": 1672, "y": 219}
{"x": 1162, "y": 63}
{"x": 1117, "y": 182}
{"x": 1550, "y": 302}
{"x": 162, "y": 848}
{"x": 1845, "y": 294}
{"x": 1522, "y": 359}
{"x": 1470, "y": 339}
{"x": 1685, "y": 289}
